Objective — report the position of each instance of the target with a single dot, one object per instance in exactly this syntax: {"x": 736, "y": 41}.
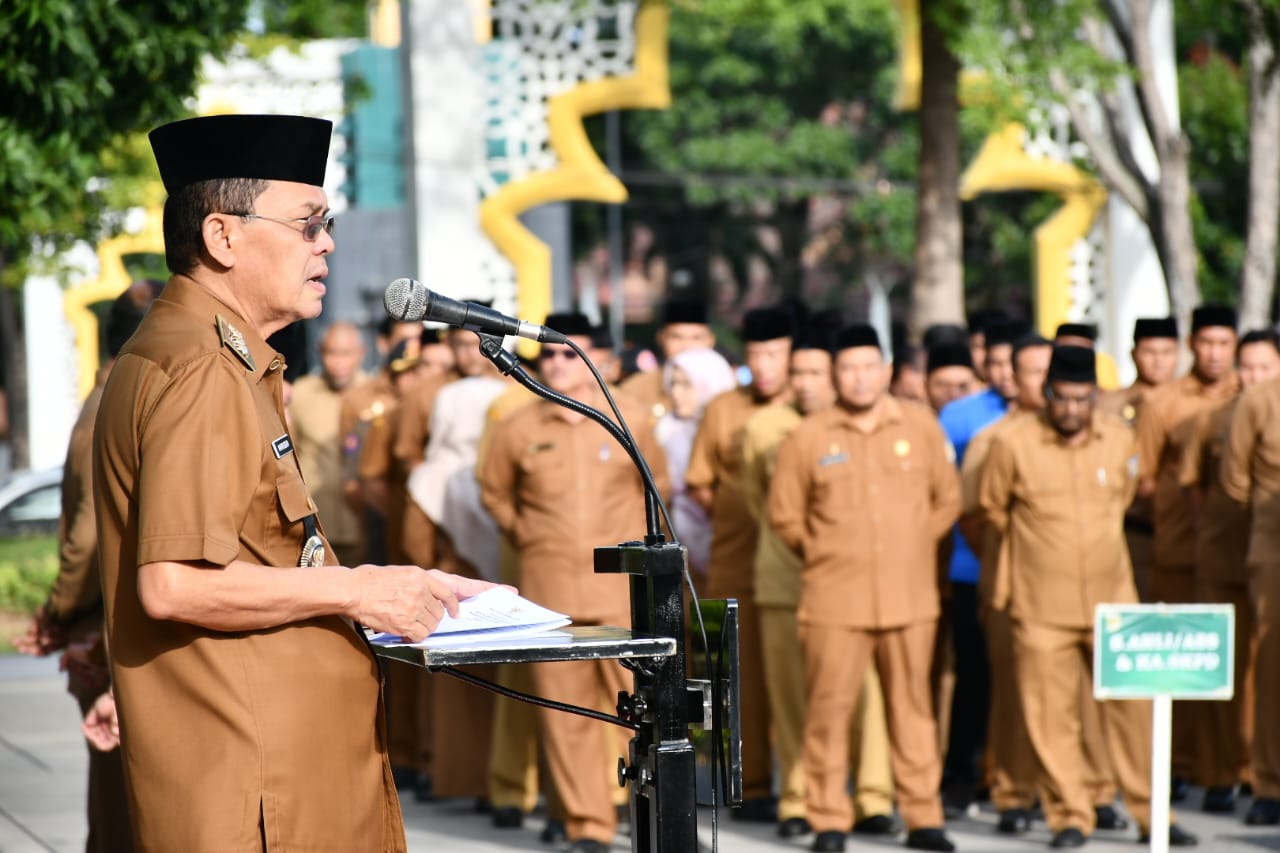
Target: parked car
{"x": 30, "y": 503}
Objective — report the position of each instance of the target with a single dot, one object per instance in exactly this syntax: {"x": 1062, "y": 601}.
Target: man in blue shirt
{"x": 961, "y": 420}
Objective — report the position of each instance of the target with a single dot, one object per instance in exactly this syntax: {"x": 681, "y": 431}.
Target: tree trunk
{"x": 13, "y": 340}
{"x": 1171, "y": 227}
{"x": 1257, "y": 284}
{"x": 937, "y": 292}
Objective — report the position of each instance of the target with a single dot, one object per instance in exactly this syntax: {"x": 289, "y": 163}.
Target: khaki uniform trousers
{"x": 582, "y": 754}
{"x": 1053, "y": 666}
{"x": 1264, "y": 583}
{"x": 868, "y": 740}
{"x": 1226, "y": 727}
{"x": 836, "y": 663}
{"x": 1014, "y": 770}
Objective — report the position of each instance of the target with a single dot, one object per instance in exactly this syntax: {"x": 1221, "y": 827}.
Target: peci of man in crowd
{"x": 221, "y": 593}
{"x": 684, "y": 326}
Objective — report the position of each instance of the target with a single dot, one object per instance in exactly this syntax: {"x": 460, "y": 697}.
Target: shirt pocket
{"x": 293, "y": 503}
{"x": 835, "y": 489}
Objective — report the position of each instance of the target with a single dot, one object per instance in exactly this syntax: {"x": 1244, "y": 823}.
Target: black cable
{"x": 536, "y": 700}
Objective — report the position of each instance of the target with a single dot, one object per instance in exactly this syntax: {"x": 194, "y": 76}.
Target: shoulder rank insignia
{"x": 233, "y": 339}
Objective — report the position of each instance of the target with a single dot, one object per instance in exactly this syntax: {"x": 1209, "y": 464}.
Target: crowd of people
{"x": 917, "y": 539}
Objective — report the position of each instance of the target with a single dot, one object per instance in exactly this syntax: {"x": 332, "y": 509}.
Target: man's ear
{"x": 220, "y": 232}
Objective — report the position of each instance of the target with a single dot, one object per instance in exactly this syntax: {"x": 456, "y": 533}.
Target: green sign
{"x": 1185, "y": 651}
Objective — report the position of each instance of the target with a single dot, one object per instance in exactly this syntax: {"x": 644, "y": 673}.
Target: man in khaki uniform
{"x": 863, "y": 492}
{"x": 558, "y": 486}
{"x": 1155, "y": 355}
{"x": 777, "y": 586}
{"x": 714, "y": 480}
{"x": 315, "y": 411}
{"x": 1055, "y": 486}
{"x": 249, "y": 700}
{"x": 1161, "y": 429}
{"x": 684, "y": 327}
{"x": 1222, "y": 540}
{"x": 71, "y": 618}
{"x": 1251, "y": 477}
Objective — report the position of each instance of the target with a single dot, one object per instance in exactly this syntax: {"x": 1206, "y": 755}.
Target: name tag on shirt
{"x": 282, "y": 446}
{"x": 833, "y": 459}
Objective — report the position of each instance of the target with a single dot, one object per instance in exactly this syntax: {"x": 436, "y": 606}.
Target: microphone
{"x": 408, "y": 300}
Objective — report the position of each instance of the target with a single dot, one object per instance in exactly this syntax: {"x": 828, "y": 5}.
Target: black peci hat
{"x": 1073, "y": 364}
{"x": 267, "y": 147}
{"x": 684, "y": 311}
{"x": 1155, "y": 327}
{"x": 819, "y": 331}
{"x": 1213, "y": 314}
{"x": 767, "y": 324}
{"x": 948, "y": 355}
{"x": 1076, "y": 330}
{"x": 856, "y": 335}
{"x": 569, "y": 323}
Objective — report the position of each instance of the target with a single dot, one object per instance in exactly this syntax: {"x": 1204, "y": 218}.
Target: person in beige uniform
{"x": 249, "y": 699}
{"x": 1251, "y": 478}
{"x": 1155, "y": 356}
{"x": 71, "y": 618}
{"x": 1056, "y": 486}
{"x": 777, "y": 586}
{"x": 315, "y": 411}
{"x": 684, "y": 327}
{"x": 1161, "y": 428}
{"x": 1222, "y": 540}
{"x": 714, "y": 480}
{"x": 558, "y": 486}
{"x": 864, "y": 491}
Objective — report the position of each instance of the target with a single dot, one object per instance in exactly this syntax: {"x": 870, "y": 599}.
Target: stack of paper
{"x": 495, "y": 614}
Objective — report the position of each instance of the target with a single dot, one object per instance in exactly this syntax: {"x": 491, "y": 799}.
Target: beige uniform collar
{"x": 240, "y": 339}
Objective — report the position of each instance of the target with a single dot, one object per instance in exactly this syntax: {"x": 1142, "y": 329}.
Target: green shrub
{"x": 27, "y": 569}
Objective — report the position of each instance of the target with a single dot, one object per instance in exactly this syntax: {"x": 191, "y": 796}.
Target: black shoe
{"x": 1246, "y": 790}
{"x": 929, "y": 838}
{"x": 1264, "y": 812}
{"x": 423, "y": 788}
{"x": 1178, "y": 837}
{"x": 1014, "y": 821}
{"x": 1106, "y": 817}
{"x": 876, "y": 824}
{"x": 956, "y": 798}
{"x": 508, "y": 817}
{"x": 828, "y": 842}
{"x": 1069, "y": 837}
{"x": 1219, "y": 800}
{"x": 794, "y": 827}
{"x": 553, "y": 832}
{"x": 758, "y": 810}
{"x": 1179, "y": 787}
{"x": 588, "y": 845}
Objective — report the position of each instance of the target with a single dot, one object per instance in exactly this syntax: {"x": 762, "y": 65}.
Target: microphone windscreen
{"x": 405, "y": 299}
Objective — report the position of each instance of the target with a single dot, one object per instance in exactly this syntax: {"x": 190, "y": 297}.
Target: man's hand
{"x": 407, "y": 601}
{"x": 101, "y": 725}
{"x": 44, "y": 635}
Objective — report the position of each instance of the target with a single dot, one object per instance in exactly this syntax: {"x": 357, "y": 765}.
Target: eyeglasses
{"x": 310, "y": 231}
{"x": 547, "y": 354}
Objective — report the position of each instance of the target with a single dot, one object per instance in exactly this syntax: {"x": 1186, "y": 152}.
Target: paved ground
{"x": 42, "y": 763}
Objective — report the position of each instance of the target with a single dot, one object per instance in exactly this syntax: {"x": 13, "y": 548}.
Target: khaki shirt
{"x": 866, "y": 511}
{"x": 75, "y": 601}
{"x": 716, "y": 462}
{"x": 1223, "y": 526}
{"x": 315, "y": 413}
{"x": 226, "y": 732}
{"x": 777, "y": 580}
{"x": 1251, "y": 468}
{"x": 1126, "y": 403}
{"x": 646, "y": 389}
{"x": 1061, "y": 510}
{"x": 558, "y": 490}
{"x": 1160, "y": 455}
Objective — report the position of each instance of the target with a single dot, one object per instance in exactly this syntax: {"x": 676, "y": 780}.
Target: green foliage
{"x": 314, "y": 19}
{"x": 79, "y": 77}
{"x": 27, "y": 568}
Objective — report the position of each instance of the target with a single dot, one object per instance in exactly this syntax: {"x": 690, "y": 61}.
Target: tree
{"x": 79, "y": 77}
{"x": 1257, "y": 285}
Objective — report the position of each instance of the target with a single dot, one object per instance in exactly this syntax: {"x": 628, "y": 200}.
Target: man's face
{"x": 563, "y": 371}
{"x": 1156, "y": 359}
{"x": 978, "y": 351}
{"x": 812, "y": 384}
{"x": 675, "y": 338}
{"x": 1000, "y": 370}
{"x": 467, "y": 358}
{"x": 768, "y": 362}
{"x": 340, "y": 354}
{"x": 1071, "y": 406}
{"x": 1258, "y": 362}
{"x": 436, "y": 360}
{"x": 1214, "y": 348}
{"x": 861, "y": 377}
{"x": 280, "y": 276}
{"x": 909, "y": 384}
{"x": 1030, "y": 368}
{"x": 949, "y": 383}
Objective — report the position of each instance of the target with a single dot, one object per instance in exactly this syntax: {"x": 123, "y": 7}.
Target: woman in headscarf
{"x": 691, "y": 379}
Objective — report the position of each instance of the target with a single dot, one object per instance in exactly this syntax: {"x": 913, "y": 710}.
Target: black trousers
{"x": 971, "y": 700}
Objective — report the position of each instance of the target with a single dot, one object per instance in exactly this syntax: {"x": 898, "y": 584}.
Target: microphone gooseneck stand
{"x": 661, "y": 765}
